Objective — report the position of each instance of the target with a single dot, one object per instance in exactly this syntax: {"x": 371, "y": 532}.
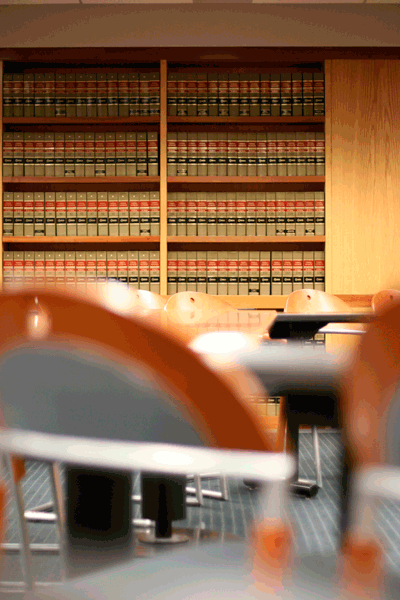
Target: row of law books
{"x": 56, "y": 94}
{"x": 245, "y": 95}
{"x": 78, "y": 154}
{"x": 138, "y": 269}
{"x": 246, "y": 213}
{"x": 81, "y": 213}
{"x": 251, "y": 273}
{"x": 245, "y": 154}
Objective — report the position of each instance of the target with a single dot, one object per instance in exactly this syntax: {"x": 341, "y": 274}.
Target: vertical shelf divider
{"x": 163, "y": 177}
{"x": 1, "y": 173}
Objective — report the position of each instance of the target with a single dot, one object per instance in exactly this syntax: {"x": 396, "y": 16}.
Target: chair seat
{"x": 210, "y": 572}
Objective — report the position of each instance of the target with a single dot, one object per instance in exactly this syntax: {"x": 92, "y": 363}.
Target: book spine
{"x": 89, "y": 155}
{"x": 113, "y": 213}
{"x": 123, "y": 214}
{"x": 79, "y": 158}
{"x": 233, "y": 94}
{"x": 191, "y": 212}
{"x": 254, "y": 273}
{"x": 222, "y": 154}
{"x": 141, "y": 154}
{"x": 18, "y": 213}
{"x": 39, "y": 95}
{"x": 291, "y": 154}
{"x": 223, "y": 95}
{"x": 281, "y": 154}
{"x": 80, "y": 269}
{"x": 49, "y": 154}
{"x": 276, "y": 273}
{"x": 133, "y": 269}
{"x": 29, "y": 155}
{"x": 230, "y": 213}
{"x": 90, "y": 258}
{"x": 91, "y": 95}
{"x": 221, "y": 213}
{"x": 171, "y": 214}
{"x": 111, "y": 167}
{"x": 28, "y": 214}
{"x": 212, "y": 90}
{"x": 301, "y": 153}
{"x": 154, "y": 89}
{"x": 18, "y": 275}
{"x": 310, "y": 153}
{"x": 8, "y": 95}
{"x": 50, "y": 213}
{"x": 100, "y": 154}
{"x": 287, "y": 273}
{"x": 290, "y": 217}
{"x": 182, "y": 166}
{"x": 241, "y": 214}
{"x": 135, "y": 150}
{"x": 307, "y": 94}
{"x": 101, "y": 268}
{"x": 192, "y": 154}
{"x": 8, "y": 154}
{"x": 38, "y": 198}
{"x": 153, "y": 160}
{"x": 50, "y": 268}
{"x": 201, "y": 213}
{"x": 29, "y": 269}
{"x": 297, "y": 259}
{"x": 233, "y": 273}
{"x": 102, "y": 207}
{"x": 252, "y": 154}
{"x": 244, "y": 97}
{"x": 101, "y": 95}
{"x": 181, "y": 213}
{"x": 92, "y": 213}
{"x": 182, "y": 108}
{"x": 242, "y": 156}
{"x": 272, "y": 154}
{"x": 18, "y": 155}
{"x": 265, "y": 273}
{"x": 202, "y": 154}
{"x": 201, "y": 272}
{"x": 319, "y": 270}
{"x": 154, "y": 213}
{"x": 280, "y": 213}
{"x": 243, "y": 268}
{"x": 172, "y": 277}
{"x": 123, "y": 94}
{"x": 222, "y": 268}
{"x": 172, "y": 154}
{"x": 181, "y": 271}
{"x": 286, "y": 92}
{"x": 144, "y": 210}
{"x": 320, "y": 153}
{"x": 81, "y": 106}
{"x": 8, "y": 270}
{"x": 120, "y": 153}
{"x": 155, "y": 272}
{"x": 60, "y": 96}
{"x": 112, "y": 94}
{"x": 112, "y": 267}
{"x": 18, "y": 94}
{"x": 172, "y": 91}
{"x": 308, "y": 270}
{"x": 191, "y": 271}
{"x": 81, "y": 214}
{"x": 122, "y": 267}
{"x": 300, "y": 213}
{"x": 251, "y": 213}
{"x": 8, "y": 214}
{"x": 254, "y": 94}
{"x": 69, "y": 151}
{"x": 309, "y": 209}
{"x": 319, "y": 207}
{"x": 275, "y": 83}
{"x": 144, "y": 270}
{"x": 211, "y": 214}
{"x": 71, "y": 214}
{"x": 212, "y": 272}
{"x": 134, "y": 98}
{"x": 297, "y": 95}
{"x": 265, "y": 95}
{"x": 318, "y": 94}
{"x": 134, "y": 214}
{"x": 70, "y": 95}
{"x": 271, "y": 213}
{"x": 60, "y": 269}
{"x": 261, "y": 215}
{"x": 212, "y": 157}
{"x": 61, "y": 214}
{"x": 39, "y": 268}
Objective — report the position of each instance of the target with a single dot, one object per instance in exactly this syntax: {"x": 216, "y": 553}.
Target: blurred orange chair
{"x": 384, "y": 299}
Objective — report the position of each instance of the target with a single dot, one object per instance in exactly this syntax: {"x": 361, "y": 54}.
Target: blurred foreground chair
{"x": 383, "y": 299}
{"x": 91, "y": 372}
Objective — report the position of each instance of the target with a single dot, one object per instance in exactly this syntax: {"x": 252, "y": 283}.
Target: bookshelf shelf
{"x": 274, "y": 240}
{"x": 82, "y": 240}
{"x": 246, "y": 120}
{"x": 79, "y": 120}
{"x": 80, "y": 180}
{"x": 246, "y": 180}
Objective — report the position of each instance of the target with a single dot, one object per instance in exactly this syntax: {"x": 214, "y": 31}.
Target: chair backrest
{"x": 93, "y": 365}
{"x": 384, "y": 299}
{"x": 189, "y": 308}
{"x": 148, "y": 300}
{"x": 314, "y": 301}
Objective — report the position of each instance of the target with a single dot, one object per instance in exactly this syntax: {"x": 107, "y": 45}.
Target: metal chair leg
{"x": 59, "y": 510}
{"x": 317, "y": 457}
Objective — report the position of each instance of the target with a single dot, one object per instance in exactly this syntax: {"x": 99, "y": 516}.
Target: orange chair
{"x": 384, "y": 299}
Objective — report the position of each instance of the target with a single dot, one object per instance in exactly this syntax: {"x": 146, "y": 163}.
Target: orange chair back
{"x": 384, "y": 299}
{"x": 314, "y": 301}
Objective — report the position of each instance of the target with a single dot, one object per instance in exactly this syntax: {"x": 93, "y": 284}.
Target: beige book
{"x": 101, "y": 95}
{"x": 18, "y": 275}
{"x": 232, "y": 154}
{"x": 39, "y": 267}
{"x": 287, "y": 273}
{"x": 60, "y": 269}
{"x": 18, "y": 213}
{"x": 319, "y": 270}
{"x": 8, "y": 214}
{"x": 50, "y": 268}
{"x": 297, "y": 94}
{"x": 8, "y": 95}
{"x": 276, "y": 273}
{"x": 154, "y": 86}
{"x": 281, "y": 154}
{"x": 113, "y": 213}
{"x": 172, "y": 273}
{"x": 29, "y": 95}
{"x": 123, "y": 213}
{"x": 222, "y": 267}
{"x": 275, "y": 83}
{"x": 181, "y": 271}
{"x": 49, "y": 154}
{"x": 171, "y": 214}
{"x": 261, "y": 218}
{"x": 172, "y": 94}
{"x": 222, "y": 154}
{"x": 172, "y": 153}
{"x": 191, "y": 271}
{"x": 261, "y": 154}
{"x": 39, "y": 149}
{"x": 101, "y": 267}
{"x": 201, "y": 272}
{"x": 182, "y": 166}
{"x": 300, "y": 213}
{"x": 244, "y": 95}
{"x": 144, "y": 270}
{"x": 39, "y": 95}
{"x": 231, "y": 213}
{"x": 112, "y": 94}
{"x": 251, "y": 217}
{"x": 144, "y": 209}
{"x": 81, "y": 214}
{"x": 202, "y": 154}
{"x": 102, "y": 215}
{"x": 191, "y": 92}
{"x": 202, "y": 95}
{"x": 60, "y": 96}
{"x": 319, "y": 153}
{"x": 309, "y": 209}
{"x": 241, "y": 214}
{"x": 91, "y": 100}
{"x": 81, "y": 106}
{"x": 50, "y": 213}
{"x": 297, "y": 258}
{"x": 61, "y": 214}
{"x": 91, "y": 268}
{"x": 213, "y": 94}
{"x": 271, "y": 213}
{"x": 38, "y": 199}
{"x": 19, "y": 157}
{"x": 280, "y": 213}
{"x": 191, "y": 214}
{"x": 318, "y": 94}
{"x": 223, "y": 94}
{"x": 290, "y": 217}
{"x": 152, "y": 154}
{"x": 80, "y": 267}
{"x": 134, "y": 97}
{"x": 254, "y": 93}
{"x": 89, "y": 155}
{"x": 265, "y": 273}
{"x": 254, "y": 273}
{"x": 319, "y": 212}
{"x": 8, "y": 154}
{"x": 154, "y": 213}
{"x": 112, "y": 266}
{"x": 8, "y": 269}
{"x": 92, "y": 213}
{"x": 79, "y": 154}
{"x": 251, "y": 154}
{"x": 70, "y": 95}
{"x": 233, "y": 90}
{"x": 310, "y": 153}
{"x": 99, "y": 154}
{"x": 122, "y": 267}
{"x": 212, "y": 140}
{"x": 141, "y": 155}
{"x": 120, "y": 153}
{"x": 286, "y": 89}
{"x": 308, "y": 270}
{"x": 28, "y": 214}
{"x": 233, "y": 272}
{"x": 221, "y": 213}
{"x": 111, "y": 159}
{"x": 192, "y": 154}
{"x": 212, "y": 272}
{"x": 202, "y": 214}
{"x": 155, "y": 272}
{"x": 134, "y": 214}
{"x": 71, "y": 214}
{"x": 211, "y": 214}
{"x": 29, "y": 154}
{"x": 307, "y": 94}
{"x": 69, "y": 147}
{"x": 301, "y": 153}
{"x": 291, "y": 154}
{"x": 272, "y": 154}
{"x": 29, "y": 268}
{"x": 242, "y": 155}
{"x": 243, "y": 268}
{"x": 133, "y": 269}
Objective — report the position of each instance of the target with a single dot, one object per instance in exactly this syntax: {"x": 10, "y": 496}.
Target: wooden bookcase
{"x": 164, "y": 184}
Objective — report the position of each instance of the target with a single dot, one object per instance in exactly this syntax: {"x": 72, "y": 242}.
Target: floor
{"x": 315, "y": 520}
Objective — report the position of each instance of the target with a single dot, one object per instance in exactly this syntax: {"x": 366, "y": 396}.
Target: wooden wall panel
{"x": 363, "y": 230}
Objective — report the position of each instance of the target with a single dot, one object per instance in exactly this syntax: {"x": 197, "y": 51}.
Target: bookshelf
{"x": 163, "y": 183}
